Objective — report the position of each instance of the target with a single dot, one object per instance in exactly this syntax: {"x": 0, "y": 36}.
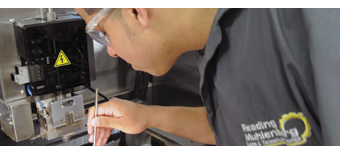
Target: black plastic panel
{"x": 39, "y": 46}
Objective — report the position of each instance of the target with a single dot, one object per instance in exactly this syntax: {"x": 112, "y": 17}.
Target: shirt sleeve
{"x": 323, "y": 26}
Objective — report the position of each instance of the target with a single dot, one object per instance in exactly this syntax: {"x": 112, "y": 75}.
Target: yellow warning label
{"x": 62, "y": 60}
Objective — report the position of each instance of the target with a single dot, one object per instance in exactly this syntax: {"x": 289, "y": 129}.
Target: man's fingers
{"x": 104, "y": 141}
{"x": 102, "y": 109}
{"x": 91, "y": 138}
{"x": 90, "y": 116}
{"x": 102, "y": 133}
{"x": 108, "y": 132}
{"x": 107, "y": 135}
{"x": 98, "y": 132}
{"x": 104, "y": 126}
{"x": 108, "y": 122}
{"x": 98, "y": 142}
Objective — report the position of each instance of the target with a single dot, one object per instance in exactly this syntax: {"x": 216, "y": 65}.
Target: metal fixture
{"x": 12, "y": 20}
{"x": 16, "y": 119}
{"x": 22, "y": 76}
{"x": 57, "y": 119}
{"x": 51, "y": 16}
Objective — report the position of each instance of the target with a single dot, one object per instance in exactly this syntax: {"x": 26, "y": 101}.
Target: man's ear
{"x": 141, "y": 15}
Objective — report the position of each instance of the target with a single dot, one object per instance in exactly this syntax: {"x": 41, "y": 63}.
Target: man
{"x": 263, "y": 73}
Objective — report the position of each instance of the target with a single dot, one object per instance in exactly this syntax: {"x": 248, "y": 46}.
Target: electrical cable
{"x": 140, "y": 85}
{"x": 145, "y": 84}
{"x": 136, "y": 90}
{"x": 100, "y": 94}
{"x": 29, "y": 90}
{"x": 42, "y": 105}
{"x": 30, "y": 93}
{"x": 77, "y": 49}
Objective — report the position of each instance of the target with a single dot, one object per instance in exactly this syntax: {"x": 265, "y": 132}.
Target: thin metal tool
{"x": 95, "y": 115}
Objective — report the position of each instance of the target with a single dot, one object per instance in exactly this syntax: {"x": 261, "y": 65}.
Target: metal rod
{"x": 95, "y": 115}
{"x": 50, "y": 10}
{"x": 100, "y": 94}
{"x": 41, "y": 14}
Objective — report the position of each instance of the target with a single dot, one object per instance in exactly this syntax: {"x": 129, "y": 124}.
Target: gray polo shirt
{"x": 272, "y": 76}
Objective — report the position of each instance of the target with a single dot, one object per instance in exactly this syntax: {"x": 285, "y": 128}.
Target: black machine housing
{"x": 39, "y": 46}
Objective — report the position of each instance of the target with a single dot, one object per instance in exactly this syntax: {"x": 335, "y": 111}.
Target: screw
{"x": 12, "y": 20}
{"x": 62, "y": 119}
{"x": 39, "y": 41}
{"x": 22, "y": 92}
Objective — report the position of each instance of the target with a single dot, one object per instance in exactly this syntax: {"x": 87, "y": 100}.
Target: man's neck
{"x": 199, "y": 27}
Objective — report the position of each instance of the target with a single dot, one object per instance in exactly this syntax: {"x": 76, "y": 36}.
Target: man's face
{"x": 137, "y": 45}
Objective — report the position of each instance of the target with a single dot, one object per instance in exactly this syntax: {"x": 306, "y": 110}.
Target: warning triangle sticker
{"x": 62, "y": 60}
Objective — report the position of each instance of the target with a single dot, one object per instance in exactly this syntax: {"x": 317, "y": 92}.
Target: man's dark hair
{"x": 91, "y": 11}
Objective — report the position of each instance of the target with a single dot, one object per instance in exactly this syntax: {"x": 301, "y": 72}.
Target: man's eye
{"x": 105, "y": 35}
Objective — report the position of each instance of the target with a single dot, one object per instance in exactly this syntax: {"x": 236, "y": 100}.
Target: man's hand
{"x": 132, "y": 118}
{"x": 123, "y": 115}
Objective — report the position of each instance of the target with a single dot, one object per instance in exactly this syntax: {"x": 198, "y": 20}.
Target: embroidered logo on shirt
{"x": 270, "y": 134}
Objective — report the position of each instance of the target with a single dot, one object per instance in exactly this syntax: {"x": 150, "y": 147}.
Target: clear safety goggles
{"x": 98, "y": 36}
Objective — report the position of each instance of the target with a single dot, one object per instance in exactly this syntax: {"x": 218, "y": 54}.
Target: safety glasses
{"x": 98, "y": 36}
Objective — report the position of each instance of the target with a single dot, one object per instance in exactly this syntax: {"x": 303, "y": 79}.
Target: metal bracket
{"x": 22, "y": 77}
{"x": 67, "y": 111}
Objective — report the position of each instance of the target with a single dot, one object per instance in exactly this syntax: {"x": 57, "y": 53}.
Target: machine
{"x": 55, "y": 57}
{"x": 48, "y": 67}
{"x": 47, "y": 63}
